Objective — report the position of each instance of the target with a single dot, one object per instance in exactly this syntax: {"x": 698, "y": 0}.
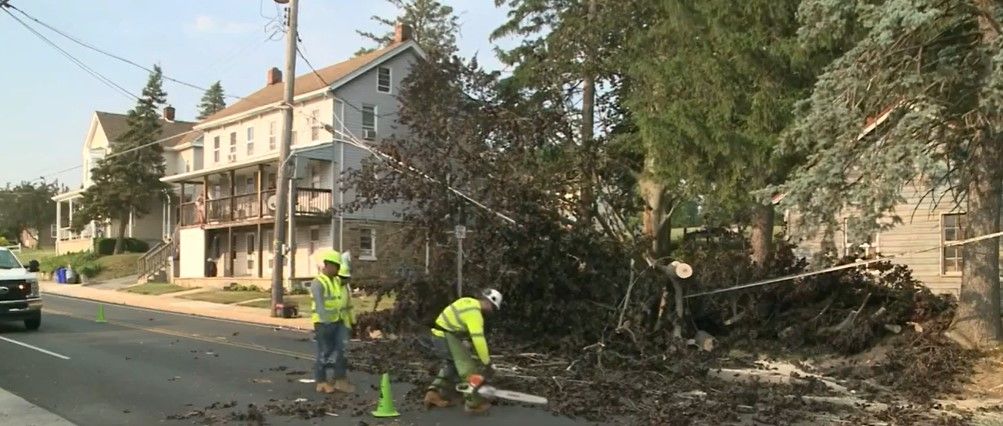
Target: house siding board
{"x": 920, "y": 230}
{"x": 362, "y": 90}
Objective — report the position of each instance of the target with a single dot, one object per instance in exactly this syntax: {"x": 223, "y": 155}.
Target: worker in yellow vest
{"x": 462, "y": 320}
{"x": 332, "y": 323}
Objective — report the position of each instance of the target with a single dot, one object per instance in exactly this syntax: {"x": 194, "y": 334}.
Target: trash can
{"x": 71, "y": 275}
{"x": 60, "y": 274}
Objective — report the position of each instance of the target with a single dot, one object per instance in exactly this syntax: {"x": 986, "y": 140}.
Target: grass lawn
{"x": 361, "y": 303}
{"x": 155, "y": 289}
{"x": 40, "y": 255}
{"x": 117, "y": 265}
{"x": 227, "y": 297}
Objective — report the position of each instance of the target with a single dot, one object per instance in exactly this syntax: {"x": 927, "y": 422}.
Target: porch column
{"x": 233, "y": 192}
{"x": 261, "y": 199}
{"x": 260, "y": 251}
{"x": 130, "y": 222}
{"x": 230, "y": 252}
{"x": 71, "y": 213}
{"x": 59, "y": 220}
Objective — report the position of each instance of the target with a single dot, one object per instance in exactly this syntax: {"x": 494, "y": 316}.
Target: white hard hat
{"x": 493, "y": 296}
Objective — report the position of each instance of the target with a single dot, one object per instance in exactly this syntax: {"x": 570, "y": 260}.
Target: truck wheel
{"x": 33, "y": 323}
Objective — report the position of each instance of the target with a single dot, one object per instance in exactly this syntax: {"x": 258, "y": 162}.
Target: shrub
{"x": 106, "y": 246}
{"x": 84, "y": 263}
{"x": 240, "y": 287}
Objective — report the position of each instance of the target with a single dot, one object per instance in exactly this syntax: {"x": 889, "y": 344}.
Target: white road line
{"x": 34, "y": 347}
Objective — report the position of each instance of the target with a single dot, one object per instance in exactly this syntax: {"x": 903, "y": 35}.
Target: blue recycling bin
{"x": 60, "y": 275}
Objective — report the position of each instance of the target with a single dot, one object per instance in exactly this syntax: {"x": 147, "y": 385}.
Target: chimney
{"x": 169, "y": 113}
{"x": 274, "y": 76}
{"x": 403, "y": 32}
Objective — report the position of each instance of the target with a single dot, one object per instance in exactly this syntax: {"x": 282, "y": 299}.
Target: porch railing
{"x": 309, "y": 202}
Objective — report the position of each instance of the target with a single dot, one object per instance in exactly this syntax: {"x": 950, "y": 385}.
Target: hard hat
{"x": 332, "y": 257}
{"x": 493, "y": 296}
{"x": 346, "y": 267}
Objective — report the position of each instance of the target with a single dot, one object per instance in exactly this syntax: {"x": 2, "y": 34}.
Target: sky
{"x": 48, "y": 102}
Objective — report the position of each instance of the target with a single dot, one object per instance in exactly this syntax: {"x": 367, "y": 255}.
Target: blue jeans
{"x": 332, "y": 350}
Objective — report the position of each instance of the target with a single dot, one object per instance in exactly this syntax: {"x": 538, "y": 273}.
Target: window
{"x": 251, "y": 249}
{"x": 249, "y": 187}
{"x": 215, "y": 149}
{"x": 270, "y": 248}
{"x": 314, "y": 239}
{"x": 250, "y": 141}
{"x": 367, "y": 244}
{"x": 952, "y": 228}
{"x": 315, "y": 177}
{"x": 369, "y": 122}
{"x": 315, "y": 125}
{"x": 233, "y": 148}
{"x": 271, "y": 136}
{"x": 383, "y": 80}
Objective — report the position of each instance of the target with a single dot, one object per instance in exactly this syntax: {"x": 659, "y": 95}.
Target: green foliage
{"x": 27, "y": 206}
{"x": 714, "y": 85}
{"x": 924, "y": 64}
{"x": 85, "y": 263}
{"x": 434, "y": 27}
{"x": 129, "y": 183}
{"x": 212, "y": 101}
{"x": 241, "y": 287}
{"x": 106, "y": 246}
{"x": 4, "y": 242}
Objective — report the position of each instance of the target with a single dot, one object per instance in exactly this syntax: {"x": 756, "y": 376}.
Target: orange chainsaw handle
{"x": 474, "y": 382}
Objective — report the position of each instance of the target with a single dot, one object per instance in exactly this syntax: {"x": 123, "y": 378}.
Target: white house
{"x": 226, "y": 229}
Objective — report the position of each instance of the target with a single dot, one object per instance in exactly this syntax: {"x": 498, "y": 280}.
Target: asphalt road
{"x": 142, "y": 367}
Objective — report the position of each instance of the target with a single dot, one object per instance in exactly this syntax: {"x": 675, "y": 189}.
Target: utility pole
{"x": 281, "y": 189}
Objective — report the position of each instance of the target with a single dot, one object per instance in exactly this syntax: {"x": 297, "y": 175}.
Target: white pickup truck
{"x": 20, "y": 299}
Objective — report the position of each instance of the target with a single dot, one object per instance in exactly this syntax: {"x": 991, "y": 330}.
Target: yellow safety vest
{"x": 337, "y": 301}
{"x": 464, "y": 318}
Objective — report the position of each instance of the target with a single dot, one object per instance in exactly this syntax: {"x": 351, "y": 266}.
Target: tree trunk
{"x": 762, "y": 234}
{"x": 587, "y": 200}
{"x": 977, "y": 323}
{"x": 120, "y": 241}
{"x": 657, "y": 212}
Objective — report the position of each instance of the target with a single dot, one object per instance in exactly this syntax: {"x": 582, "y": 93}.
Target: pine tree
{"x": 433, "y": 24}
{"x": 937, "y": 69}
{"x": 129, "y": 182}
{"x": 212, "y": 101}
{"x": 714, "y": 86}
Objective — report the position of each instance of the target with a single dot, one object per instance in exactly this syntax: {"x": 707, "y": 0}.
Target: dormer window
{"x": 383, "y": 79}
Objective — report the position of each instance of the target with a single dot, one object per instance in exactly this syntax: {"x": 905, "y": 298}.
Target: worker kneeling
{"x": 462, "y": 320}
{"x": 332, "y": 323}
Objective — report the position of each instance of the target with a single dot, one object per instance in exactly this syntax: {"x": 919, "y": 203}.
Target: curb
{"x": 184, "y": 314}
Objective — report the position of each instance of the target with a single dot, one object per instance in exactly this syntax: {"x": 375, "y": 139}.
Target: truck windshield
{"x": 8, "y": 261}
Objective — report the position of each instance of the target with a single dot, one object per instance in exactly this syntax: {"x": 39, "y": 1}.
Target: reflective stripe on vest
{"x": 337, "y": 302}
{"x": 451, "y": 318}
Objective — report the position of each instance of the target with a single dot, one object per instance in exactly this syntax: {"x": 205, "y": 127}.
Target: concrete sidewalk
{"x": 176, "y": 305}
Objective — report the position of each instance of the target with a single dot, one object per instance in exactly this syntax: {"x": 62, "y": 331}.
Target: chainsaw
{"x": 475, "y": 385}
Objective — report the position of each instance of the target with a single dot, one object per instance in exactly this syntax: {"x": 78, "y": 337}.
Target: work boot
{"x": 323, "y": 387}
{"x": 434, "y": 399}
{"x": 477, "y": 409}
{"x": 342, "y": 385}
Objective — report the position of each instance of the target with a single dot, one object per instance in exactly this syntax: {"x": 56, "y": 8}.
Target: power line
{"x": 394, "y": 163}
{"x": 107, "y": 81}
{"x": 103, "y": 52}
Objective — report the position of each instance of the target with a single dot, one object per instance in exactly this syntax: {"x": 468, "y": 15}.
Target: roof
{"x": 116, "y": 125}
{"x": 305, "y": 83}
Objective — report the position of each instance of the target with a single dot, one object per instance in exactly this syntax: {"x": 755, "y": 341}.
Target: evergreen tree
{"x": 936, "y": 68}
{"x": 129, "y": 182}
{"x": 714, "y": 85}
{"x": 212, "y": 101}
{"x": 434, "y": 27}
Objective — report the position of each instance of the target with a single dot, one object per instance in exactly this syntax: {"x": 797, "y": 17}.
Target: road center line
{"x": 35, "y": 348}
